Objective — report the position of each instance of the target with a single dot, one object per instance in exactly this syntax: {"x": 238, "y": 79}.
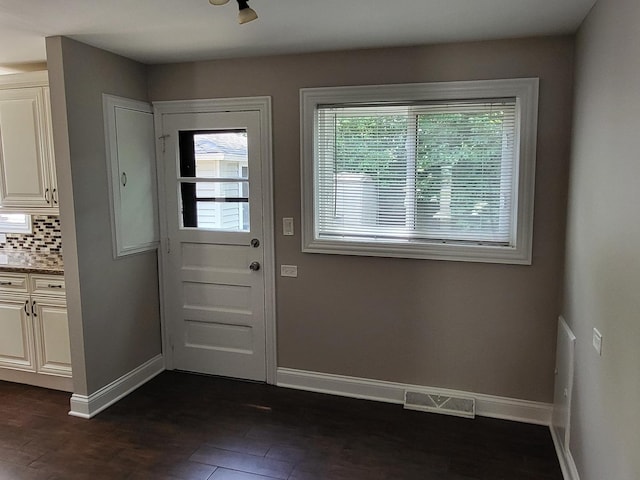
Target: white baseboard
{"x": 88, "y": 406}
{"x": 486, "y": 405}
{"x": 567, "y": 465}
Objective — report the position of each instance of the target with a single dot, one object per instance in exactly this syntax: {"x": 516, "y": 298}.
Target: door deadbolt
{"x": 254, "y": 267}
{"x": 255, "y": 243}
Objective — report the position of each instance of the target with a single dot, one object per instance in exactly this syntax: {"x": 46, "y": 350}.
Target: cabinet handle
{"x": 54, "y": 196}
{"x": 46, "y": 196}
{"x": 124, "y": 179}
{"x": 6, "y": 283}
{"x": 51, "y": 285}
{"x": 26, "y": 302}
{"x": 33, "y": 309}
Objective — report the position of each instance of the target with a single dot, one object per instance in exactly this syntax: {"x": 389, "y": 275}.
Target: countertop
{"x": 18, "y": 261}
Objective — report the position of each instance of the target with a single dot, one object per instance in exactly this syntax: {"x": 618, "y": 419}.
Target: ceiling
{"x": 163, "y": 31}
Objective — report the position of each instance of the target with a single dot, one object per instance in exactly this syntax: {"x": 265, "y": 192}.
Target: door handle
{"x": 254, "y": 267}
{"x": 33, "y": 309}
{"x": 123, "y": 179}
{"x": 26, "y": 302}
{"x": 46, "y": 196}
{"x": 255, "y": 243}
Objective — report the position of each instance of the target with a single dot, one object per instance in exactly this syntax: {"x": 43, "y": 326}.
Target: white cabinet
{"x": 27, "y": 169}
{"x": 16, "y": 334}
{"x": 51, "y": 158}
{"x": 51, "y": 327}
{"x": 34, "y": 330}
{"x": 130, "y": 144}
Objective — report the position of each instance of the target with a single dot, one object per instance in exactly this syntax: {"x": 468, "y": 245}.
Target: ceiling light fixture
{"x": 246, "y": 14}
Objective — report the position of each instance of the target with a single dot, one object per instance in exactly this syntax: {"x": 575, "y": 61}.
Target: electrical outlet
{"x": 3, "y": 238}
{"x": 288, "y": 270}
{"x": 597, "y": 341}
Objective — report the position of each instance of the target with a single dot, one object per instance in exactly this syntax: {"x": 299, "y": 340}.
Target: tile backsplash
{"x": 46, "y": 236}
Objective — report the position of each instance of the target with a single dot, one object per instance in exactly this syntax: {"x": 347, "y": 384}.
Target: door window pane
{"x": 214, "y": 183}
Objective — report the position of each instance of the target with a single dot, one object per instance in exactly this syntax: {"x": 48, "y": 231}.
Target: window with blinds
{"x": 426, "y": 177}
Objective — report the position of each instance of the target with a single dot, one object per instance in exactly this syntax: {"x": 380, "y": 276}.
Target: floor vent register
{"x": 439, "y": 403}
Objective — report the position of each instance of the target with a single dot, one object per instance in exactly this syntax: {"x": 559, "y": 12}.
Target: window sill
{"x": 423, "y": 251}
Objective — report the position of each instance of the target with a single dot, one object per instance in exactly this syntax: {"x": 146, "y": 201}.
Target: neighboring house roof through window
{"x": 229, "y": 144}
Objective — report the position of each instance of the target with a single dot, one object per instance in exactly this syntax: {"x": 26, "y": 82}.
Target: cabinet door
{"x": 24, "y": 177}
{"x": 16, "y": 334}
{"x": 50, "y": 156}
{"x": 52, "y": 337}
{"x": 130, "y": 143}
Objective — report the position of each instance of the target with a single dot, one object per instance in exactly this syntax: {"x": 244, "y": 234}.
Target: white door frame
{"x": 242, "y": 104}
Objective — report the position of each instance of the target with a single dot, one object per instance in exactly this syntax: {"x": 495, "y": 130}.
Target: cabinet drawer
{"x": 13, "y": 283}
{"x": 47, "y": 285}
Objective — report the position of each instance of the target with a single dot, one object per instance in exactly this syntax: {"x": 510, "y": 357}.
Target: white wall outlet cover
{"x": 3, "y": 237}
{"x": 288, "y": 270}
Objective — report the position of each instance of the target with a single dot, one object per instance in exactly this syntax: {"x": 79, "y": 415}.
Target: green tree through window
{"x": 435, "y": 171}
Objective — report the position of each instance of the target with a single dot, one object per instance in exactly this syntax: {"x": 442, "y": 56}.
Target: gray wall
{"x": 113, "y": 304}
{"x": 603, "y": 240}
{"x": 476, "y": 327}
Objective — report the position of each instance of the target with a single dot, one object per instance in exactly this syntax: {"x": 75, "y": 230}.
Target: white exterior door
{"x": 214, "y": 273}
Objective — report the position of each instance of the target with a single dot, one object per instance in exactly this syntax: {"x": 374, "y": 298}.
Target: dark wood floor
{"x": 191, "y": 427}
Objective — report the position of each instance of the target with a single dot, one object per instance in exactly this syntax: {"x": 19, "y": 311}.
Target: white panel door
{"x": 214, "y": 279}
{"x": 23, "y": 150}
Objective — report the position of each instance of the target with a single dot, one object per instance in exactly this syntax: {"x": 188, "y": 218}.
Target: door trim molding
{"x": 216, "y": 105}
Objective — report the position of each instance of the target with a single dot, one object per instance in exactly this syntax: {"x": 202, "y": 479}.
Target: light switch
{"x": 287, "y": 226}
{"x": 288, "y": 270}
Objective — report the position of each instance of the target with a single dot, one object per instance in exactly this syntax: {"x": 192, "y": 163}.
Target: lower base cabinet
{"x": 53, "y": 353}
{"x": 34, "y": 330}
{"x": 16, "y": 334}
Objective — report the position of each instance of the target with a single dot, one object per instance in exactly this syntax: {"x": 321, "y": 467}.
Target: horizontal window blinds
{"x": 438, "y": 172}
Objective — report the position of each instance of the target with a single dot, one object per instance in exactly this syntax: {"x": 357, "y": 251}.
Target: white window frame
{"x": 519, "y": 251}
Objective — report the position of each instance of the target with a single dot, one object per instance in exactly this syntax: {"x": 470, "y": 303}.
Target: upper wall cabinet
{"x": 130, "y": 143}
{"x": 27, "y": 167}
